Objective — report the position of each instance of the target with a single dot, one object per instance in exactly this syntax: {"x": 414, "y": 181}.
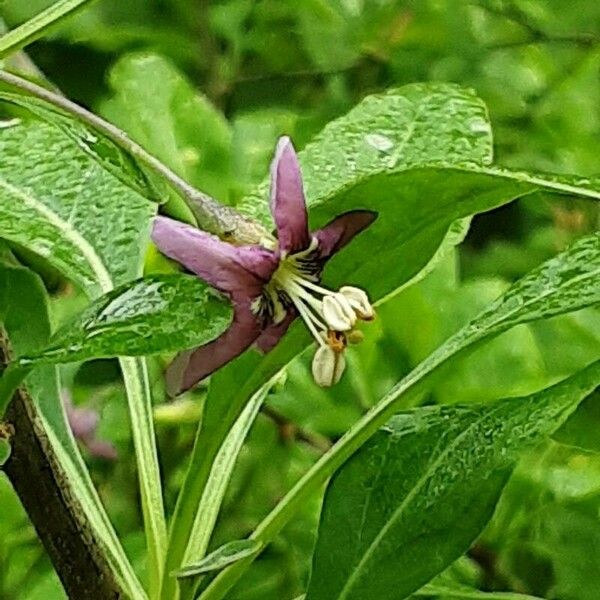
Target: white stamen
{"x": 359, "y": 301}
{"x": 309, "y": 319}
{"x": 330, "y": 316}
{"x": 327, "y": 366}
{"x": 338, "y": 313}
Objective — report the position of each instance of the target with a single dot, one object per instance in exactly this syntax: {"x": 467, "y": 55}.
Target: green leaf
{"x": 438, "y": 307}
{"x": 565, "y": 283}
{"x": 220, "y": 474}
{"x": 58, "y": 201}
{"x": 106, "y": 152}
{"x": 159, "y": 313}
{"x": 220, "y": 558}
{"x": 581, "y": 430}
{"x": 38, "y": 25}
{"x": 419, "y": 156}
{"x": 341, "y": 155}
{"x": 414, "y": 498}
{"x": 395, "y": 153}
{"x": 331, "y": 32}
{"x": 336, "y": 34}
{"x": 163, "y": 112}
{"x": 24, "y": 313}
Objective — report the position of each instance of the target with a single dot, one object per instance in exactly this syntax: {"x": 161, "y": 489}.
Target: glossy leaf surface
{"x": 420, "y": 156}
{"x": 61, "y": 203}
{"x": 159, "y": 313}
{"x": 419, "y": 492}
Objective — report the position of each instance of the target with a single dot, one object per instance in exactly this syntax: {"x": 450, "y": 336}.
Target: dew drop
{"x": 479, "y": 125}
{"x": 9, "y": 123}
{"x": 379, "y": 142}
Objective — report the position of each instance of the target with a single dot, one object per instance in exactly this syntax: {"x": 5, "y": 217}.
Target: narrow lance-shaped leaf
{"x": 220, "y": 475}
{"x": 58, "y": 201}
{"x": 159, "y": 313}
{"x": 419, "y": 492}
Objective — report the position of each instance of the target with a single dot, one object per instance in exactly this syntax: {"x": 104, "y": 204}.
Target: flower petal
{"x": 101, "y": 449}
{"x": 287, "y": 199}
{"x": 83, "y": 421}
{"x": 192, "y": 366}
{"x": 231, "y": 269}
{"x": 341, "y": 230}
{"x": 271, "y": 335}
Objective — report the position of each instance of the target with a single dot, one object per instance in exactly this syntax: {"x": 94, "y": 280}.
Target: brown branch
{"x": 47, "y": 497}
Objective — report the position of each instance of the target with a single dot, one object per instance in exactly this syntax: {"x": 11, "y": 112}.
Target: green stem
{"x": 135, "y": 377}
{"x": 36, "y": 27}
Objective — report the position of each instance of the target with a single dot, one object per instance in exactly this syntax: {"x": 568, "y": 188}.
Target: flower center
{"x": 329, "y": 315}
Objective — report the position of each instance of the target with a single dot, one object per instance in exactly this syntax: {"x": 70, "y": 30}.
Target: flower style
{"x": 272, "y": 283}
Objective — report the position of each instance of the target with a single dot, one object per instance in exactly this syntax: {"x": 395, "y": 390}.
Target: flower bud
{"x": 355, "y": 337}
{"x": 338, "y": 313}
{"x": 327, "y": 366}
{"x": 359, "y": 301}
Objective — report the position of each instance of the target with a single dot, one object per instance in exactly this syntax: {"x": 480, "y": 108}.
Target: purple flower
{"x": 271, "y": 283}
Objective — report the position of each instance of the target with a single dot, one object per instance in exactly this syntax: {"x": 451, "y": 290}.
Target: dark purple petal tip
{"x": 192, "y": 366}
{"x": 343, "y": 229}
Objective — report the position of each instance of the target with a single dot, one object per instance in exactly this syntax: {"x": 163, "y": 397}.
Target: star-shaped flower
{"x": 271, "y": 284}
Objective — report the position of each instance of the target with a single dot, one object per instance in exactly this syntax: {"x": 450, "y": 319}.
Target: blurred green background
{"x": 208, "y": 86}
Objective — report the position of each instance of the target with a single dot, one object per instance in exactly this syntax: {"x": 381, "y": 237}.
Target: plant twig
{"x": 290, "y": 430}
{"x": 583, "y": 40}
{"x": 35, "y": 27}
{"x": 45, "y": 493}
{"x": 212, "y": 216}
